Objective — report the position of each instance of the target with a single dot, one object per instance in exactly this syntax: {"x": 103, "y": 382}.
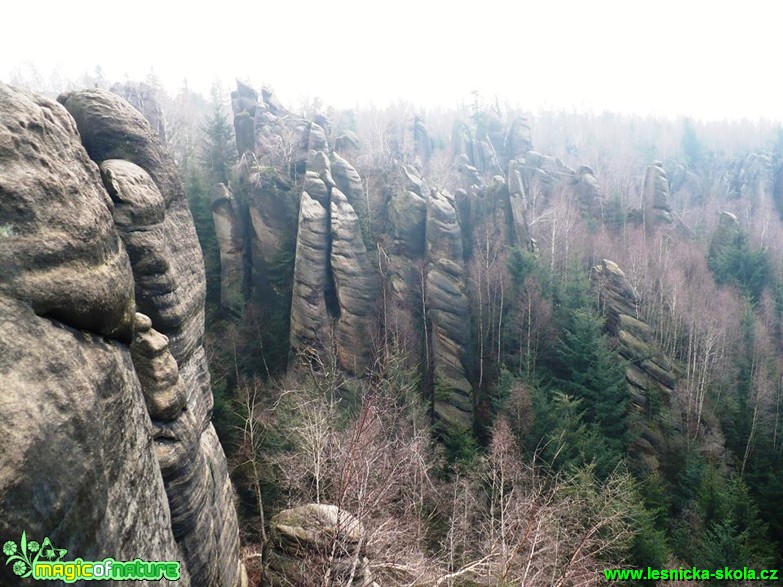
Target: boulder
{"x": 301, "y": 547}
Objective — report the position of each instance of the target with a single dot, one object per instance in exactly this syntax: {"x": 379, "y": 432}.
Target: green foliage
{"x": 649, "y": 547}
{"x": 505, "y": 383}
{"x": 736, "y": 263}
{"x": 219, "y": 151}
{"x": 521, "y": 264}
{"x": 614, "y": 211}
{"x": 562, "y": 438}
{"x": 721, "y": 526}
{"x": 589, "y": 370}
{"x": 199, "y": 203}
{"x": 460, "y": 446}
{"x": 734, "y": 534}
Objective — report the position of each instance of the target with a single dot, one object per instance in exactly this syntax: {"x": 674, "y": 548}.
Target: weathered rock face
{"x": 350, "y": 184}
{"x": 343, "y": 242}
{"x": 308, "y": 304}
{"x": 588, "y": 192}
{"x": 347, "y": 143}
{"x": 518, "y": 139}
{"x": 63, "y": 258}
{"x": 244, "y": 103}
{"x": 650, "y": 375}
{"x": 750, "y": 177}
{"x": 170, "y": 288}
{"x": 78, "y": 463}
{"x": 355, "y": 286}
{"x": 302, "y": 542}
{"x": 164, "y": 391}
{"x": 655, "y": 195}
{"x": 448, "y": 312}
{"x": 422, "y": 143}
{"x": 407, "y": 214}
{"x": 518, "y": 204}
{"x": 144, "y": 98}
{"x": 725, "y": 235}
{"x": 544, "y": 175}
{"x": 309, "y": 251}
{"x": 229, "y": 230}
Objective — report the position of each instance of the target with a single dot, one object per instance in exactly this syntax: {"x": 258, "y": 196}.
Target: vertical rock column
{"x": 168, "y": 270}
{"x": 230, "y": 239}
{"x": 77, "y": 462}
{"x": 447, "y": 306}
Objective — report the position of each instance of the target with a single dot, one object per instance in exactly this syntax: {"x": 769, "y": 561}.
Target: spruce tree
{"x": 589, "y": 370}
{"x": 218, "y": 144}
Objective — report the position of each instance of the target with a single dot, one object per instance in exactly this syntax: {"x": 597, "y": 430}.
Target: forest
{"x": 511, "y": 348}
{"x": 571, "y": 464}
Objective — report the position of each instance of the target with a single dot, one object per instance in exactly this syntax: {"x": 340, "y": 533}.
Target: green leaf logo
{"x": 49, "y": 553}
{"x": 27, "y": 553}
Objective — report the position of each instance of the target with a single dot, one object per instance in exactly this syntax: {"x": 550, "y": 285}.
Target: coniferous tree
{"x": 589, "y": 370}
{"x": 219, "y": 150}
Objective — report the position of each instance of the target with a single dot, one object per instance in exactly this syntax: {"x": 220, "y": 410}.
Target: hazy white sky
{"x": 718, "y": 59}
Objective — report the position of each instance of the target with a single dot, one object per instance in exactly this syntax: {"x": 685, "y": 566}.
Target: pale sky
{"x": 708, "y": 60}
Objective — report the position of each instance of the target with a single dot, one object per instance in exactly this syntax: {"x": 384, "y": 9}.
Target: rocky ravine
{"x": 108, "y": 447}
{"x": 347, "y": 267}
{"x": 350, "y": 263}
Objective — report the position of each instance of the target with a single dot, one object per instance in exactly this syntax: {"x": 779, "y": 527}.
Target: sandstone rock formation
{"x": 144, "y": 98}
{"x": 355, "y": 286}
{"x": 311, "y": 540}
{"x": 750, "y": 177}
{"x": 519, "y": 205}
{"x": 350, "y": 184}
{"x": 447, "y": 310}
{"x": 131, "y": 466}
{"x": 308, "y": 304}
{"x": 78, "y": 464}
{"x": 158, "y": 373}
{"x": 323, "y": 243}
{"x": 725, "y": 235}
{"x": 588, "y": 192}
{"x": 650, "y": 375}
{"x": 518, "y": 139}
{"x": 309, "y": 241}
{"x": 422, "y": 143}
{"x": 244, "y": 103}
{"x": 170, "y": 288}
{"x": 655, "y": 195}
{"x": 229, "y": 230}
